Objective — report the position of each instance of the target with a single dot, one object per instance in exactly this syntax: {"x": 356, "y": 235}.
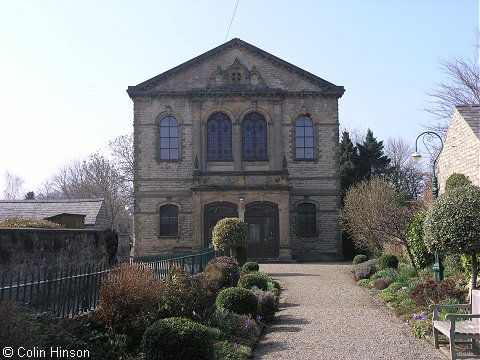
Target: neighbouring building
{"x": 461, "y": 148}
{"x": 72, "y": 213}
{"x": 237, "y": 132}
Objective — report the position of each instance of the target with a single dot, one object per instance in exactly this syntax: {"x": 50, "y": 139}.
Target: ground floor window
{"x": 306, "y": 224}
{"x": 168, "y": 220}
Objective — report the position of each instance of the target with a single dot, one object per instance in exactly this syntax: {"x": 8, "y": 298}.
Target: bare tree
{"x": 95, "y": 177}
{"x": 462, "y": 87}
{"x": 14, "y": 186}
{"x": 408, "y": 178}
{"x": 375, "y": 215}
{"x": 122, "y": 152}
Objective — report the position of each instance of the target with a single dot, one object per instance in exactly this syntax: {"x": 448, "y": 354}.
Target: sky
{"x": 65, "y": 65}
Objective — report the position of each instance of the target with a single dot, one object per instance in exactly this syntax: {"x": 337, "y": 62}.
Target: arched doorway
{"x": 214, "y": 212}
{"x": 262, "y": 220}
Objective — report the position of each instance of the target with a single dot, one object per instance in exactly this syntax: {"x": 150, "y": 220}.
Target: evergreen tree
{"x": 348, "y": 154}
{"x": 371, "y": 161}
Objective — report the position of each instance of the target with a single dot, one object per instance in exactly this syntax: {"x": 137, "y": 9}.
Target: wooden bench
{"x": 455, "y": 329}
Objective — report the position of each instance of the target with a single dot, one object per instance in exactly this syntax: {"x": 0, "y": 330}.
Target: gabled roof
{"x": 471, "y": 115}
{"x": 153, "y": 82}
{"x": 41, "y": 209}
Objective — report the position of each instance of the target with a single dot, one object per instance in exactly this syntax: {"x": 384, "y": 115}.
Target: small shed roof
{"x": 41, "y": 209}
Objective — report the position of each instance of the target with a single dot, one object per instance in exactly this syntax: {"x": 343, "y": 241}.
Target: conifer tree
{"x": 371, "y": 161}
{"x": 348, "y": 154}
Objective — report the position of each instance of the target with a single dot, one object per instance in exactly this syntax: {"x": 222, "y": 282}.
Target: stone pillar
{"x": 285, "y": 248}
{"x": 237, "y": 147}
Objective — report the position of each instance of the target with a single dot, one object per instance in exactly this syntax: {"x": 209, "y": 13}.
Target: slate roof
{"x": 147, "y": 85}
{"x": 41, "y": 209}
{"x": 471, "y": 114}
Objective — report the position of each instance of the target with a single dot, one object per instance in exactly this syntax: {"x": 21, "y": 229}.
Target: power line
{"x": 231, "y": 21}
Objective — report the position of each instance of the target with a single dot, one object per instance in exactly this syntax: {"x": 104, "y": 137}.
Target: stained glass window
{"x": 168, "y": 220}
{"x": 219, "y": 137}
{"x": 306, "y": 224}
{"x": 254, "y": 137}
{"x": 168, "y": 139}
{"x": 304, "y": 138}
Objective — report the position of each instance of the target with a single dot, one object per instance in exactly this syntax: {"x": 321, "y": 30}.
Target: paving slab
{"x": 325, "y": 315}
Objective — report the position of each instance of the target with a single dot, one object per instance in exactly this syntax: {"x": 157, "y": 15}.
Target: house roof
{"x": 147, "y": 85}
{"x": 471, "y": 115}
{"x": 41, "y": 209}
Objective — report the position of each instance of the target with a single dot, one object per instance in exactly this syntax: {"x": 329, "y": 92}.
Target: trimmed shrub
{"x": 387, "y": 261}
{"x": 257, "y": 279}
{"x": 26, "y": 222}
{"x": 222, "y": 274}
{"x": 267, "y": 303}
{"x": 127, "y": 294}
{"x": 358, "y": 259}
{"x": 229, "y": 234}
{"x": 364, "y": 270}
{"x": 250, "y": 266}
{"x": 456, "y": 180}
{"x": 421, "y": 256}
{"x": 238, "y": 300}
{"x": 177, "y": 339}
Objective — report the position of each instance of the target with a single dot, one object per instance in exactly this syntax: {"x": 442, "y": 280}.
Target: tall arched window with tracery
{"x": 169, "y": 139}
{"x": 219, "y": 137}
{"x": 254, "y": 137}
{"x": 304, "y": 138}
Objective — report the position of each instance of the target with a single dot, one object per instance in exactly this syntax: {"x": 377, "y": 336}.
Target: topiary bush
{"x": 258, "y": 279}
{"x": 456, "y": 180}
{"x": 364, "y": 270}
{"x": 267, "y": 303}
{"x": 230, "y": 234}
{"x": 250, "y": 266}
{"x": 358, "y": 259}
{"x": 237, "y": 300}
{"x": 387, "y": 261}
{"x": 177, "y": 339}
{"x": 421, "y": 256}
{"x": 222, "y": 273}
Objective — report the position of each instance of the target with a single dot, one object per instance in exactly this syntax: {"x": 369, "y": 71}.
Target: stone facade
{"x": 236, "y": 80}
{"x": 461, "y": 149}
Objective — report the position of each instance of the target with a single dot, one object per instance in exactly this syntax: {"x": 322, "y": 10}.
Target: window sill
{"x": 167, "y": 160}
{"x": 253, "y": 160}
{"x": 220, "y": 161}
{"x": 307, "y": 235}
{"x": 313, "y": 160}
{"x": 169, "y": 236}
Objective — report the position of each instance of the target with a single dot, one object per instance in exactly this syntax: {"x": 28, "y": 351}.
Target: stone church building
{"x": 237, "y": 132}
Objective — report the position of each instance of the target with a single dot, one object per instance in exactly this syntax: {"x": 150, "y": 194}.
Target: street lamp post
{"x": 429, "y": 136}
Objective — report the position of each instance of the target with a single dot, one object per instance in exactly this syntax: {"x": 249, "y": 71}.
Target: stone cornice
{"x": 202, "y": 94}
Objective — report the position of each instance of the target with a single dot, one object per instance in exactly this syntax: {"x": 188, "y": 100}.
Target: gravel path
{"x": 324, "y": 315}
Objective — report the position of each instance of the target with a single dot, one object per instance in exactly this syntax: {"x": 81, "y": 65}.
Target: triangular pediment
{"x": 235, "y": 66}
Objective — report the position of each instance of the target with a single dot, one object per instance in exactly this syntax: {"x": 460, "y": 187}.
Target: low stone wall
{"x": 27, "y": 250}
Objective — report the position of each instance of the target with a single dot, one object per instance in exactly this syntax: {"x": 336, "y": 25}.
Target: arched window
{"x": 168, "y": 138}
{"x": 219, "y": 137}
{"x": 168, "y": 220}
{"x": 254, "y": 137}
{"x": 304, "y": 138}
{"x": 307, "y": 224}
